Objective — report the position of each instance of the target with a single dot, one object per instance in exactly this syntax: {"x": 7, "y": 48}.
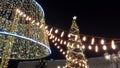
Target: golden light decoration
{"x": 84, "y": 38}
{"x": 62, "y": 34}
{"x": 93, "y": 41}
{"x": 102, "y": 41}
{"x": 90, "y": 47}
{"x": 96, "y": 48}
{"x": 104, "y": 47}
{"x": 23, "y": 40}
{"x": 113, "y": 44}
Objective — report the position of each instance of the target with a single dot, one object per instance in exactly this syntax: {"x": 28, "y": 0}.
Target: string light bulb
{"x": 113, "y": 45}
{"x": 62, "y": 34}
{"x": 83, "y": 46}
{"x": 102, "y": 41}
{"x": 104, "y": 47}
{"x": 90, "y": 47}
{"x": 56, "y": 31}
{"x": 96, "y": 48}
{"x": 93, "y": 41}
{"x": 33, "y": 21}
{"x": 84, "y": 38}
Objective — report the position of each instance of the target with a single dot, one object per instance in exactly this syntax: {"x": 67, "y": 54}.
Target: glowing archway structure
{"x": 19, "y": 39}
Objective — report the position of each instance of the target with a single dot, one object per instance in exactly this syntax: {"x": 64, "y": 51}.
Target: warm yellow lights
{"x": 46, "y": 27}
{"x": 104, "y": 47}
{"x": 24, "y": 15}
{"x": 102, "y": 41}
{"x": 58, "y": 47}
{"x": 41, "y": 25}
{"x": 65, "y": 42}
{"x": 51, "y": 30}
{"x": 59, "y": 39}
{"x": 84, "y": 38}
{"x": 37, "y": 23}
{"x": 69, "y": 35}
{"x": 78, "y": 46}
{"x": 61, "y": 50}
{"x": 56, "y": 31}
{"x": 27, "y": 18}
{"x": 83, "y": 46}
{"x": 33, "y": 21}
{"x": 21, "y": 13}
{"x": 63, "y": 53}
{"x": 92, "y": 41}
{"x": 113, "y": 44}
{"x": 62, "y": 34}
{"x": 90, "y": 47}
{"x": 96, "y": 48}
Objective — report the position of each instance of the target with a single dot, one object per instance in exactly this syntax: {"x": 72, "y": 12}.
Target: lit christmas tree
{"x": 75, "y": 57}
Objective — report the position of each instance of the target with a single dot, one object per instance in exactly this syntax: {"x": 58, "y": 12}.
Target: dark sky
{"x": 95, "y": 17}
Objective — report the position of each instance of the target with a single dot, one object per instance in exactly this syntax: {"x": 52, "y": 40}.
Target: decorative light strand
{"x": 28, "y": 18}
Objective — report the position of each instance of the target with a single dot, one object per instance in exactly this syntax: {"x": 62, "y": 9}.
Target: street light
{"x": 113, "y": 58}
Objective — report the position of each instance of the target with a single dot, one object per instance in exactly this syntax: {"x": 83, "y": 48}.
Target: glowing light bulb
{"x": 63, "y": 53}
{"x": 55, "y": 44}
{"x": 41, "y": 25}
{"x": 102, "y": 41}
{"x": 113, "y": 44}
{"x": 58, "y": 40}
{"x": 46, "y": 27}
{"x": 21, "y": 13}
{"x": 58, "y": 47}
{"x": 78, "y": 46}
{"x": 17, "y": 10}
{"x": 55, "y": 38}
{"x": 61, "y": 41}
{"x": 30, "y": 18}
{"x": 75, "y": 17}
{"x": 56, "y": 31}
{"x": 92, "y": 41}
{"x": 104, "y": 47}
{"x": 24, "y": 15}
{"x": 96, "y": 48}
{"x": 90, "y": 47}
{"x": 61, "y": 50}
{"x": 84, "y": 38}
{"x": 51, "y": 30}
{"x": 37, "y": 23}
{"x": 62, "y": 34}
{"x": 53, "y": 41}
{"x": 65, "y": 42}
{"x": 69, "y": 35}
{"x": 27, "y": 18}
{"x": 83, "y": 46}
{"x": 33, "y": 21}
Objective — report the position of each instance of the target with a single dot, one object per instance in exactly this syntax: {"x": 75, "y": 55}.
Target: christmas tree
{"x": 75, "y": 56}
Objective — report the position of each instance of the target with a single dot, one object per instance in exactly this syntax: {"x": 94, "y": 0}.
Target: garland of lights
{"x": 54, "y": 30}
{"x": 57, "y": 37}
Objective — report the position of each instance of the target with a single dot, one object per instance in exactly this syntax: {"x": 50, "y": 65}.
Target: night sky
{"x": 96, "y": 18}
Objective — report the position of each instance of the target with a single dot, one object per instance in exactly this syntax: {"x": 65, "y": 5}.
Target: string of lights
{"x": 93, "y": 42}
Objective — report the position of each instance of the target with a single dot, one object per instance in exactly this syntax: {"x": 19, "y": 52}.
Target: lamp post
{"x": 113, "y": 58}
